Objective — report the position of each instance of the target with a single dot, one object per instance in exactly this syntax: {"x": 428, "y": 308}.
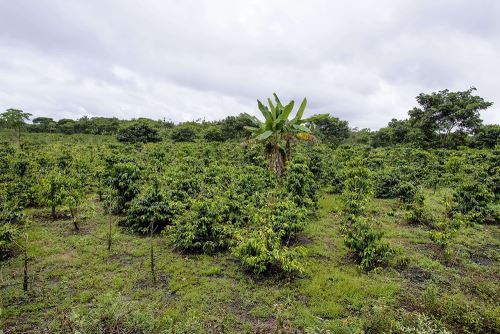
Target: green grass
{"x": 76, "y": 282}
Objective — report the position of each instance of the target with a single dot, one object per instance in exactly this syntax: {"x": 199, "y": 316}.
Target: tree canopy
{"x": 444, "y": 112}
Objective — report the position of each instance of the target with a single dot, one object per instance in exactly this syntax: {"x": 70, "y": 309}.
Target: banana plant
{"x": 278, "y": 132}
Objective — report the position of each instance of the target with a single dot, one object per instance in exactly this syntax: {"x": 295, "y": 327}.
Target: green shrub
{"x": 286, "y": 220}
{"x": 387, "y": 183}
{"x": 151, "y": 206}
{"x": 138, "y": 133}
{"x": 183, "y": 134}
{"x": 208, "y": 226}
{"x": 254, "y": 179}
{"x": 416, "y": 209}
{"x": 443, "y": 233}
{"x": 214, "y": 135}
{"x": 473, "y": 198}
{"x": 262, "y": 252}
{"x": 124, "y": 178}
{"x": 301, "y": 185}
{"x": 406, "y": 192}
{"x": 11, "y": 219}
{"x": 51, "y": 190}
{"x": 366, "y": 243}
{"x": 357, "y": 189}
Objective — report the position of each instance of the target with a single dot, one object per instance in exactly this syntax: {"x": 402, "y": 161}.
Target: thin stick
{"x": 25, "y": 276}
{"x": 153, "y": 274}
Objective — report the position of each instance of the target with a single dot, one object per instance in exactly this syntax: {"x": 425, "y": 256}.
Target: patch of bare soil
{"x": 46, "y": 217}
{"x": 162, "y": 282}
{"x": 417, "y": 275}
{"x": 272, "y": 326}
{"x": 123, "y": 258}
{"x": 482, "y": 255}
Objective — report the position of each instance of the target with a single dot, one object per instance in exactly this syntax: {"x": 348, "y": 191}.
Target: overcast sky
{"x": 364, "y": 61}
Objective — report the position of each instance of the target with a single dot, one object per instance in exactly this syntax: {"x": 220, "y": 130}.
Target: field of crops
{"x": 100, "y": 236}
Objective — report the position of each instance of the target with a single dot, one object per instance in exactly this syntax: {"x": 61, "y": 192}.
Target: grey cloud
{"x": 364, "y": 61}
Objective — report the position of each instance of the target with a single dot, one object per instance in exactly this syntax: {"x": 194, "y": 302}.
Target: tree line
{"x": 443, "y": 119}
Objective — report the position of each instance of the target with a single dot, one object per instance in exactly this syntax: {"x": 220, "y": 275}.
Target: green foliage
{"x": 51, "y": 190}
{"x": 214, "y": 134}
{"x": 474, "y": 199}
{"x": 416, "y": 209}
{"x": 443, "y": 119}
{"x": 11, "y": 219}
{"x": 14, "y": 118}
{"x": 407, "y": 192}
{"x": 301, "y": 185}
{"x": 277, "y": 132}
{"x": 43, "y": 124}
{"x": 183, "y": 134}
{"x": 233, "y": 127}
{"x": 359, "y": 234}
{"x": 443, "y": 233}
{"x": 487, "y": 136}
{"x": 151, "y": 206}
{"x": 387, "y": 183}
{"x": 124, "y": 178}
{"x": 366, "y": 243}
{"x": 443, "y": 112}
{"x": 357, "y": 189}
{"x": 208, "y": 225}
{"x": 74, "y": 192}
{"x": 286, "y": 219}
{"x": 262, "y": 252}
{"x": 396, "y": 132}
{"x": 330, "y": 130}
{"x": 138, "y": 133}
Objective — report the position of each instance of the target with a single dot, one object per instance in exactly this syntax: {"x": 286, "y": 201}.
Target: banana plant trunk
{"x": 276, "y": 161}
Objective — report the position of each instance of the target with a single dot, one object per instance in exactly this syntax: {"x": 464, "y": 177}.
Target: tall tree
{"x": 444, "y": 112}
{"x": 15, "y": 119}
{"x": 278, "y": 132}
{"x": 43, "y": 124}
{"x": 330, "y": 130}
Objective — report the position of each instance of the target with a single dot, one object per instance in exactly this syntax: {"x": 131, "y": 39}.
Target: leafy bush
{"x": 357, "y": 188}
{"x": 151, "y": 206}
{"x": 73, "y": 196}
{"x": 51, "y": 190}
{"x": 366, "y": 243}
{"x": 182, "y": 134}
{"x": 11, "y": 217}
{"x": 286, "y": 220}
{"x": 473, "y": 198}
{"x": 254, "y": 179}
{"x": 124, "y": 179}
{"x": 406, "y": 192}
{"x": 387, "y": 183}
{"x": 443, "y": 233}
{"x": 262, "y": 252}
{"x": 207, "y": 226}
{"x": 214, "y": 134}
{"x": 416, "y": 209}
{"x": 138, "y": 133}
{"x": 301, "y": 185}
